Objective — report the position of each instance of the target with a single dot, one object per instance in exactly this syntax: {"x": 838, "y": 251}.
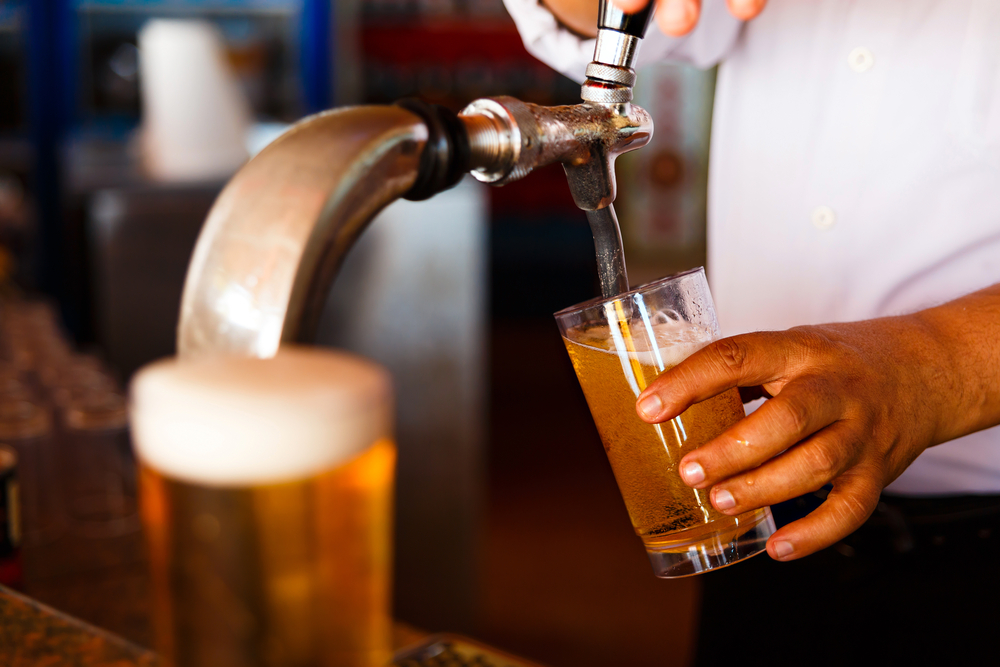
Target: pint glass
{"x": 618, "y": 347}
{"x": 266, "y": 496}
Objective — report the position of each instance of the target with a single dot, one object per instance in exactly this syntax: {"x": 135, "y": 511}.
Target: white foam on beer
{"x": 661, "y": 342}
{"x": 239, "y": 421}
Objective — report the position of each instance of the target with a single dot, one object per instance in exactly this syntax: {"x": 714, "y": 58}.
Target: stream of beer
{"x": 610, "y": 256}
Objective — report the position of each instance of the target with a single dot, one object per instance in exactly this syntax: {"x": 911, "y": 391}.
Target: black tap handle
{"x": 610, "y": 17}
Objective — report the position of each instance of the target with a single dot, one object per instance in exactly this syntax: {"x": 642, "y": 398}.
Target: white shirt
{"x": 854, "y": 170}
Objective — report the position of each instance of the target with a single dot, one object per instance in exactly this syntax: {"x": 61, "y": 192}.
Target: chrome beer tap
{"x": 277, "y": 233}
{"x": 508, "y": 138}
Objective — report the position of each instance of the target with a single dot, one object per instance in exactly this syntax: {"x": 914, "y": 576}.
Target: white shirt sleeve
{"x": 546, "y": 39}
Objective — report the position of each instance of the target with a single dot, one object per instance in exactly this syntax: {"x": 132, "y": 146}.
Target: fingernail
{"x": 650, "y": 406}
{"x": 678, "y": 13}
{"x": 724, "y": 500}
{"x": 693, "y": 473}
{"x": 782, "y": 549}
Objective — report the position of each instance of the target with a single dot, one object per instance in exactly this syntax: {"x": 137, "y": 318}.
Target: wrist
{"x": 938, "y": 381}
{"x": 962, "y": 363}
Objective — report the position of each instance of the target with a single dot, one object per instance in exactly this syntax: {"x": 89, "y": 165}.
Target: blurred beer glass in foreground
{"x": 266, "y": 494}
{"x": 618, "y": 347}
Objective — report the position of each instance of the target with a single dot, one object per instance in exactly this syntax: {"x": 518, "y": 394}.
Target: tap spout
{"x": 509, "y": 138}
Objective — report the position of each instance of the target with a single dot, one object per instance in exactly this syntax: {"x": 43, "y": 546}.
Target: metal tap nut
{"x": 503, "y": 139}
{"x": 611, "y": 74}
{"x": 605, "y": 94}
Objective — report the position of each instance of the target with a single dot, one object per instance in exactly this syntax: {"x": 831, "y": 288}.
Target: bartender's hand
{"x": 675, "y": 17}
{"x": 679, "y": 17}
{"x": 853, "y": 405}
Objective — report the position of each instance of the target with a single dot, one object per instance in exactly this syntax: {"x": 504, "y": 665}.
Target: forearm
{"x": 964, "y": 373}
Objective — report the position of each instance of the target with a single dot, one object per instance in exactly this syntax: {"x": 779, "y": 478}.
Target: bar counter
{"x": 33, "y": 634}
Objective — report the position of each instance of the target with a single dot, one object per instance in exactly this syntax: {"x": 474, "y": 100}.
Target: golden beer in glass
{"x": 266, "y": 496}
{"x": 618, "y": 347}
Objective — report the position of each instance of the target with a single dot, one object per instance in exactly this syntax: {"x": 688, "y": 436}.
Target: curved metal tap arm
{"x": 276, "y": 235}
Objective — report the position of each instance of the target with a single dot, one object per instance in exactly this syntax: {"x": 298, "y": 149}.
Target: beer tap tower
{"x": 278, "y": 232}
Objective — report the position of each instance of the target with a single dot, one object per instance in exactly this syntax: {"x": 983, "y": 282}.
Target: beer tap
{"x": 508, "y": 138}
{"x": 275, "y": 237}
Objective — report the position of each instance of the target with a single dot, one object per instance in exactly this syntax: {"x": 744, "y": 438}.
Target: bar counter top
{"x": 35, "y": 635}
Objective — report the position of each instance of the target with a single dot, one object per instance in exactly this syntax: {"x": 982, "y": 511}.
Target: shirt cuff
{"x": 549, "y": 41}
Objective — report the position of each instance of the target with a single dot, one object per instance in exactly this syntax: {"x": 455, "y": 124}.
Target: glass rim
{"x": 645, "y": 287}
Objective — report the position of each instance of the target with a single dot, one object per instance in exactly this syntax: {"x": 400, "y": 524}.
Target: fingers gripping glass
{"x": 618, "y": 346}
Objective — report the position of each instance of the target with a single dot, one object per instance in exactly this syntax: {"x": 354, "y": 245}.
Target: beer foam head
{"x": 660, "y": 342}
{"x": 240, "y": 421}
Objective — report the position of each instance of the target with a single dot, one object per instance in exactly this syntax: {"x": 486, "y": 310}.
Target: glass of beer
{"x": 618, "y": 347}
{"x": 266, "y": 497}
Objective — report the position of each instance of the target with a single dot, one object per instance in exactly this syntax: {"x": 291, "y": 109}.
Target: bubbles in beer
{"x": 614, "y": 364}
{"x": 660, "y": 340}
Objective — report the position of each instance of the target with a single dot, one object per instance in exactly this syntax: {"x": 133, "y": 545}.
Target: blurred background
{"x": 510, "y": 527}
